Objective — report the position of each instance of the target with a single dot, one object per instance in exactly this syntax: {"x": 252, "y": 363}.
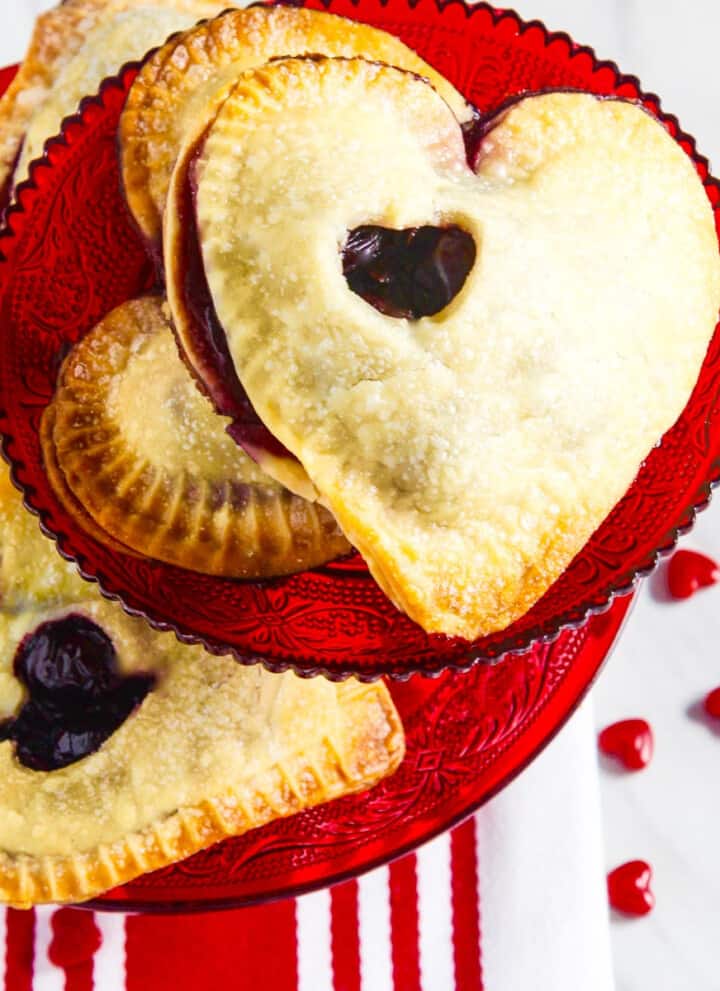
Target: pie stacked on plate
{"x": 73, "y": 48}
{"x": 140, "y": 457}
{"x": 134, "y": 450}
{"x": 444, "y": 340}
{"x": 461, "y": 337}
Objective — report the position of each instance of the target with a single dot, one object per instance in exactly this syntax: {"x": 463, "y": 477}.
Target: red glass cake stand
{"x": 70, "y": 253}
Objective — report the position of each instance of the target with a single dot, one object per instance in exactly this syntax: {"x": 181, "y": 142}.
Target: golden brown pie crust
{"x": 287, "y": 470}
{"x": 184, "y": 81}
{"x": 130, "y": 441}
{"x": 214, "y": 749}
{"x": 31, "y": 570}
{"x": 375, "y": 751}
{"x": 63, "y": 492}
{"x": 57, "y": 37}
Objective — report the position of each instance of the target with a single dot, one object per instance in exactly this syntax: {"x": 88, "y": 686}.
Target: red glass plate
{"x": 468, "y": 734}
{"x": 71, "y": 253}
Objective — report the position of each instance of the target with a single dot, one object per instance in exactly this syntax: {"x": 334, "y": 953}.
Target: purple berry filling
{"x": 408, "y": 273}
{"x": 77, "y": 697}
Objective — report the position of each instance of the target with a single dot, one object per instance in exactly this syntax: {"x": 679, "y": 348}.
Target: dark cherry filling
{"x": 473, "y": 132}
{"x": 77, "y": 697}
{"x": 409, "y": 273}
{"x": 212, "y": 354}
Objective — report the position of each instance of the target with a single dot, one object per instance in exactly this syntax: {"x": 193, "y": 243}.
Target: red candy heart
{"x": 712, "y": 703}
{"x": 688, "y": 571}
{"x": 629, "y": 888}
{"x": 76, "y": 938}
{"x": 631, "y": 741}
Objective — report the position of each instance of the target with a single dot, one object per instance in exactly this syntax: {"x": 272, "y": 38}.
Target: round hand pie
{"x": 130, "y": 443}
{"x": 123, "y": 750}
{"x": 187, "y": 79}
{"x": 470, "y": 366}
{"x": 73, "y": 48}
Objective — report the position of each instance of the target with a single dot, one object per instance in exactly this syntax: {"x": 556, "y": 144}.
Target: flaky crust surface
{"x": 145, "y": 456}
{"x": 468, "y": 456}
{"x": 58, "y": 37}
{"x": 185, "y": 80}
{"x": 31, "y": 570}
{"x": 214, "y": 749}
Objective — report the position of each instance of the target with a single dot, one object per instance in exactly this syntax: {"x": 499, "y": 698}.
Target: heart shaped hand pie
{"x": 73, "y": 48}
{"x": 129, "y": 442}
{"x": 124, "y": 750}
{"x": 186, "y": 80}
{"x": 469, "y": 454}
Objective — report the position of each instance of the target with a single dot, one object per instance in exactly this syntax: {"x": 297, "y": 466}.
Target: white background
{"x": 668, "y": 656}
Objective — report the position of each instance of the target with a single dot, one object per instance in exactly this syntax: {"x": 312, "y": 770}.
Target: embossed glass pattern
{"x": 468, "y": 734}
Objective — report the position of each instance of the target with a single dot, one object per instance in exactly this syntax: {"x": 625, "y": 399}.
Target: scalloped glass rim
{"x": 512, "y": 27}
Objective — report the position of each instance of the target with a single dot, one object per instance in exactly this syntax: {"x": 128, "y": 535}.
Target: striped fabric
{"x": 412, "y": 926}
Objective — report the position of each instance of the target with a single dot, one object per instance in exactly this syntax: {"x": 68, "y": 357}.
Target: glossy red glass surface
{"x": 71, "y": 253}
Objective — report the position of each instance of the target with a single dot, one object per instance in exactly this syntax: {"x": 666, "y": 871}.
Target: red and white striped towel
{"x": 511, "y": 900}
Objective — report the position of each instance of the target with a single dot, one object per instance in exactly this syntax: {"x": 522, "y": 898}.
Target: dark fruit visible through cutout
{"x": 410, "y": 273}
{"x": 689, "y": 571}
{"x": 77, "y": 697}
{"x": 629, "y": 888}
{"x": 630, "y": 741}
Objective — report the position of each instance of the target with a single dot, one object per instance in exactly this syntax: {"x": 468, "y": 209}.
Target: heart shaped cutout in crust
{"x": 468, "y": 455}
{"x": 74, "y": 46}
{"x": 129, "y": 442}
{"x": 187, "y": 79}
{"x": 207, "y": 749}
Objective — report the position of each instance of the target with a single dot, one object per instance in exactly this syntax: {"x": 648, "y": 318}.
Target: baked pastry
{"x": 73, "y": 48}
{"x": 184, "y": 81}
{"x": 32, "y": 573}
{"x": 130, "y": 442}
{"x": 124, "y": 750}
{"x": 469, "y": 367}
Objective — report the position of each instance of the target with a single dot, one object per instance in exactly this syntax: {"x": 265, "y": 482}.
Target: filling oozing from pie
{"x": 407, "y": 274}
{"x": 76, "y": 695}
{"x": 473, "y": 132}
{"x": 219, "y": 378}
